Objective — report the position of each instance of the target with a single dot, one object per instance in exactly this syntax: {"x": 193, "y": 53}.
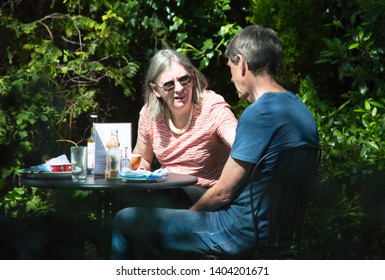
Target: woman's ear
{"x": 154, "y": 88}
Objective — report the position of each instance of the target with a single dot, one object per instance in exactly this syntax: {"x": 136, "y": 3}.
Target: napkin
{"x": 143, "y": 174}
{"x": 46, "y": 167}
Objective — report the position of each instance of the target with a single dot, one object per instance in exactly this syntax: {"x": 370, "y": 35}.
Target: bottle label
{"x": 90, "y": 157}
{"x": 113, "y": 156}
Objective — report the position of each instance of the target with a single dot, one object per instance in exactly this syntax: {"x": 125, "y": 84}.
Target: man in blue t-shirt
{"x": 220, "y": 222}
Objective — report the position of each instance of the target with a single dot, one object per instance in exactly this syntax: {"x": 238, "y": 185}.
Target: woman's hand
{"x": 144, "y": 149}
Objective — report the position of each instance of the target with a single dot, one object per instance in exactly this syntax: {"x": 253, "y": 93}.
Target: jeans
{"x": 139, "y": 231}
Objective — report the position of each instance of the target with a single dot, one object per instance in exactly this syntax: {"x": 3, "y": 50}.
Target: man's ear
{"x": 242, "y": 64}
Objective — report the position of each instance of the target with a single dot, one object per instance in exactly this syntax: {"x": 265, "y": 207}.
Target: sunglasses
{"x": 170, "y": 85}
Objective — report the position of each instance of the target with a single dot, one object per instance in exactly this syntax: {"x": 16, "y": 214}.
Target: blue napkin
{"x": 143, "y": 174}
{"x": 157, "y": 174}
{"x": 39, "y": 168}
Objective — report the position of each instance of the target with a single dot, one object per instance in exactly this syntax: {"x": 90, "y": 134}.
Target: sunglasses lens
{"x": 168, "y": 86}
{"x": 185, "y": 80}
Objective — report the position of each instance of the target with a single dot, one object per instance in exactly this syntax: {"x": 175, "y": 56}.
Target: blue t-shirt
{"x": 276, "y": 120}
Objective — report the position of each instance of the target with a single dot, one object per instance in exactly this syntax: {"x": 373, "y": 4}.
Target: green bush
{"x": 352, "y": 154}
{"x": 344, "y": 218}
{"x": 73, "y": 57}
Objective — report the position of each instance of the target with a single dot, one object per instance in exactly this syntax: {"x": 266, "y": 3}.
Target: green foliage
{"x": 359, "y": 53}
{"x": 210, "y": 50}
{"x": 352, "y": 139}
{"x": 69, "y": 60}
{"x": 31, "y": 200}
{"x": 300, "y": 41}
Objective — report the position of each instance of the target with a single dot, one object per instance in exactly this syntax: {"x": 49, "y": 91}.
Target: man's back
{"x": 275, "y": 120}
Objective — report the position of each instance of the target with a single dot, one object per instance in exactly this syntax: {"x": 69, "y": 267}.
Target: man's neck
{"x": 266, "y": 83}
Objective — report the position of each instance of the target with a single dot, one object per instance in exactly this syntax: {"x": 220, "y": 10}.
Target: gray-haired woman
{"x": 188, "y": 128}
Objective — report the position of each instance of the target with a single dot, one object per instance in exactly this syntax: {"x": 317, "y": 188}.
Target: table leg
{"x": 104, "y": 217}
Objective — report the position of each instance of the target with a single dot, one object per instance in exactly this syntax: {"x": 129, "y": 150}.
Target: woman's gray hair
{"x": 260, "y": 47}
{"x": 158, "y": 63}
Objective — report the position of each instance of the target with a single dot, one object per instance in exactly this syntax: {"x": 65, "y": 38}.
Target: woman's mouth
{"x": 180, "y": 97}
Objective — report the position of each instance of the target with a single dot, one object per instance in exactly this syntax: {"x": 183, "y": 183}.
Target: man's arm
{"x": 223, "y": 191}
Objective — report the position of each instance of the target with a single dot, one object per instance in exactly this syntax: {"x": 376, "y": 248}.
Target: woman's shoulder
{"x": 144, "y": 110}
{"x": 211, "y": 97}
{"x": 144, "y": 114}
{"x": 213, "y": 105}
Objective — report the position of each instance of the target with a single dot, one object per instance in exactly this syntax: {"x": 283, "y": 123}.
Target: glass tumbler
{"x": 79, "y": 163}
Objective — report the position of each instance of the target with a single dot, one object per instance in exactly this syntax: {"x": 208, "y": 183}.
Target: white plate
{"x": 40, "y": 175}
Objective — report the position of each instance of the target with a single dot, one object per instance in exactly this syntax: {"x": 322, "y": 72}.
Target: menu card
{"x": 103, "y": 135}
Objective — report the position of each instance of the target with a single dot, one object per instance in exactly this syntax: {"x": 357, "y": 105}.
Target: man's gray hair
{"x": 260, "y": 47}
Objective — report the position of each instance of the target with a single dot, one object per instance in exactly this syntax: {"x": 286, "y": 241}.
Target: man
{"x": 220, "y": 222}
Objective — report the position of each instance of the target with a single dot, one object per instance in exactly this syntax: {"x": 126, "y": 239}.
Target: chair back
{"x": 284, "y": 200}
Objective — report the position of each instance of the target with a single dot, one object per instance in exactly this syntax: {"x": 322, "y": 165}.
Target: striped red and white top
{"x": 199, "y": 151}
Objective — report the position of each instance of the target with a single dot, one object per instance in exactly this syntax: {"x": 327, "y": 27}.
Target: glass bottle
{"x": 91, "y": 146}
{"x": 113, "y": 157}
{"x": 126, "y": 163}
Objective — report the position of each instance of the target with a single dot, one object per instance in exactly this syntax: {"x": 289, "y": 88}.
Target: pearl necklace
{"x": 171, "y": 125}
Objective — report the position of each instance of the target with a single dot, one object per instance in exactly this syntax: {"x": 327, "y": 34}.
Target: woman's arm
{"x": 229, "y": 136}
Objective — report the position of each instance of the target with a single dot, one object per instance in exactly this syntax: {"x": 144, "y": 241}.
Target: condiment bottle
{"x": 91, "y": 146}
{"x": 126, "y": 163}
{"x": 113, "y": 157}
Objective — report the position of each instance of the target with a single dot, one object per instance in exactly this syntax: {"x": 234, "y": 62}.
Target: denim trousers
{"x": 140, "y": 231}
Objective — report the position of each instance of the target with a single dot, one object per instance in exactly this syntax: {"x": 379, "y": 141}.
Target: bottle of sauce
{"x": 91, "y": 146}
{"x": 113, "y": 157}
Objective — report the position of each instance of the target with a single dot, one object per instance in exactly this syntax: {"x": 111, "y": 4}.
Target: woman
{"x": 188, "y": 128}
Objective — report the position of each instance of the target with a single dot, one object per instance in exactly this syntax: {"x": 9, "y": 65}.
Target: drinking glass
{"x": 135, "y": 161}
{"x": 79, "y": 163}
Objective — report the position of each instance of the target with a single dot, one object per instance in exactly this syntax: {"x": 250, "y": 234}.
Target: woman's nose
{"x": 178, "y": 86}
